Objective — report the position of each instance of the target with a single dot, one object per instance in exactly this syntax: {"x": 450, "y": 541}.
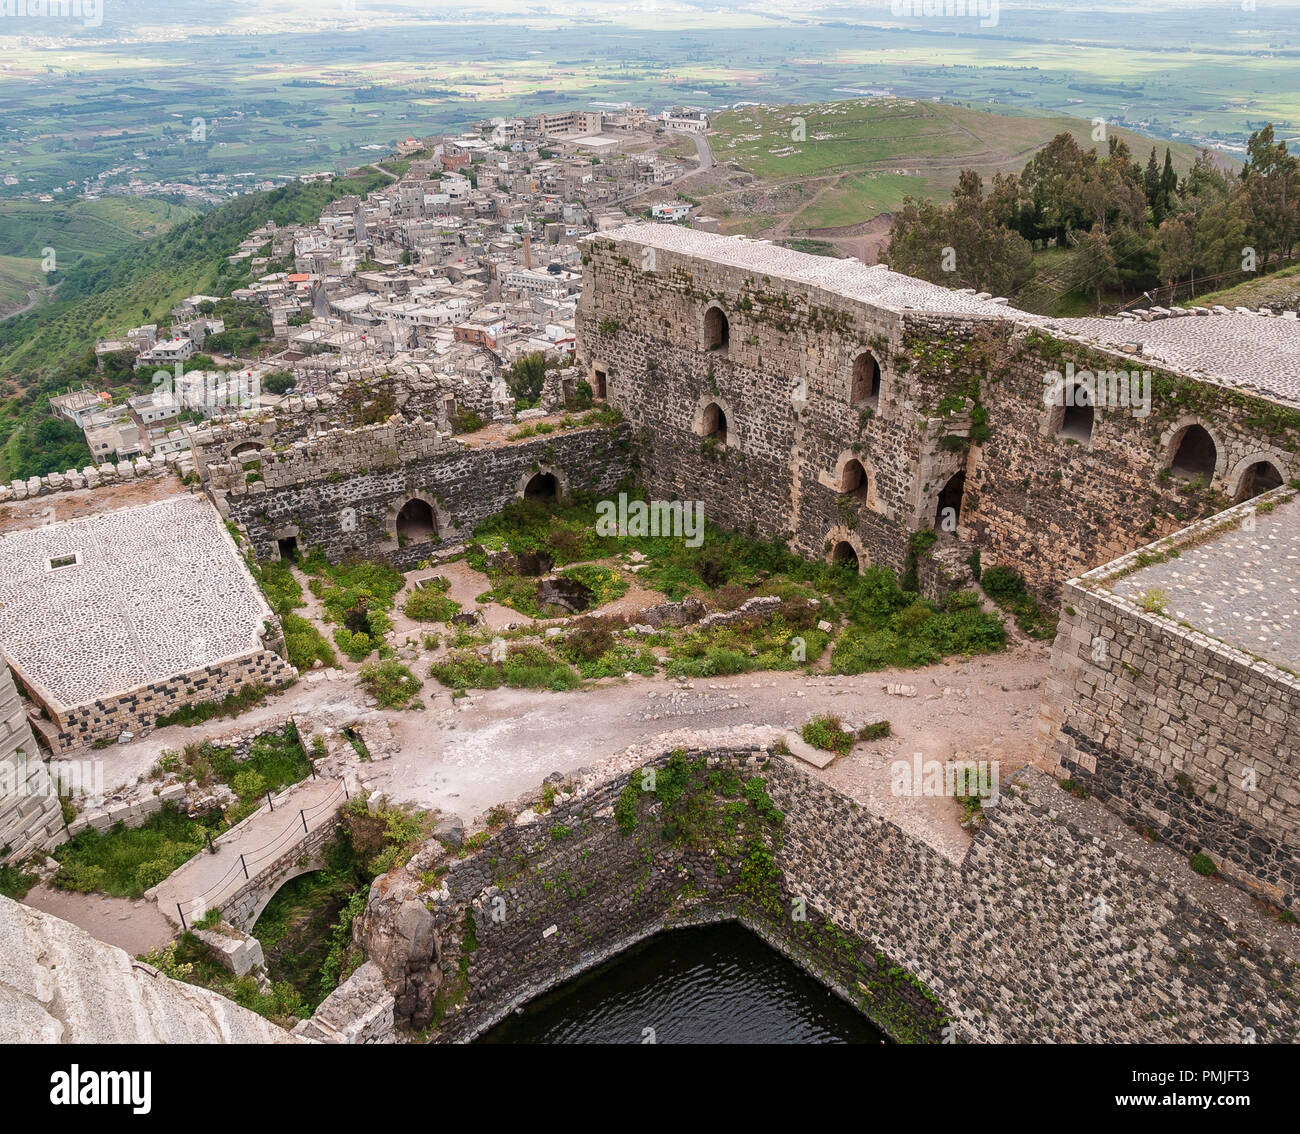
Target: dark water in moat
{"x": 711, "y": 984}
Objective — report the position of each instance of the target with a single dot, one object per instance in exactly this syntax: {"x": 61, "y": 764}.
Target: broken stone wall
{"x": 343, "y": 492}
{"x": 1046, "y": 504}
{"x": 784, "y": 383}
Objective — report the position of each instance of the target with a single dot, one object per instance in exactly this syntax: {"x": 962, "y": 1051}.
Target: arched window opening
{"x": 853, "y": 480}
{"x": 844, "y": 555}
{"x": 714, "y": 423}
{"x": 717, "y": 332}
{"x": 1261, "y": 477}
{"x": 1077, "y": 414}
{"x": 1195, "y": 455}
{"x": 948, "y": 513}
{"x": 415, "y": 522}
{"x": 866, "y": 379}
{"x": 543, "y": 487}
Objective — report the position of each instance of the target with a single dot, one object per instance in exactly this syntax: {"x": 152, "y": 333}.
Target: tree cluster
{"x": 1131, "y": 227}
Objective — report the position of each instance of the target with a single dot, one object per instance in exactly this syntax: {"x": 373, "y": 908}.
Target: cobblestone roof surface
{"x": 1242, "y": 588}
{"x": 1250, "y": 352}
{"x": 159, "y": 590}
{"x": 851, "y": 278}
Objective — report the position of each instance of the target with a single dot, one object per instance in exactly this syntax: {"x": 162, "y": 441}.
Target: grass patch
{"x": 888, "y": 625}
{"x": 526, "y": 665}
{"x": 1007, "y": 588}
{"x": 430, "y": 603}
{"x": 305, "y": 644}
{"x": 126, "y": 861}
{"x": 15, "y": 882}
{"x": 201, "y": 711}
{"x": 893, "y": 629}
{"x": 783, "y": 641}
{"x": 357, "y": 595}
{"x": 829, "y": 734}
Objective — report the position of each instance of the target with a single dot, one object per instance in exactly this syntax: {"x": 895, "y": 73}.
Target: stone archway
{"x": 865, "y": 387}
{"x": 714, "y": 419}
{"x": 414, "y": 518}
{"x": 947, "y": 512}
{"x": 844, "y": 548}
{"x": 1256, "y": 474}
{"x": 542, "y": 486}
{"x": 1190, "y": 450}
{"x": 543, "y": 483}
{"x": 854, "y": 476}
{"x": 286, "y": 542}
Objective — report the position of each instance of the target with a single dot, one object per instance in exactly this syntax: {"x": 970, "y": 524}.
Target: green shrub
{"x": 249, "y": 784}
{"x": 305, "y": 644}
{"x": 390, "y": 683}
{"x": 827, "y": 732}
{"x": 15, "y": 882}
{"x": 149, "y": 874}
{"x": 1007, "y": 588}
{"x": 427, "y": 604}
{"x": 1204, "y": 864}
{"x": 876, "y": 730}
{"x": 125, "y": 861}
{"x": 464, "y": 669}
{"x": 605, "y": 585}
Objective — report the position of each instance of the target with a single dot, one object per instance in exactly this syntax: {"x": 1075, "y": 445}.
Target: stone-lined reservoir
{"x": 1008, "y": 944}
{"x": 708, "y": 984}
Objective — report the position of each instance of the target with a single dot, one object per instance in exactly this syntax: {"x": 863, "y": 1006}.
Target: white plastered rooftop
{"x": 158, "y": 590}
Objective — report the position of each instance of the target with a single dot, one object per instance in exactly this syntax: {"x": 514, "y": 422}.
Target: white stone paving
{"x": 874, "y": 284}
{"x": 1243, "y": 587}
{"x": 159, "y": 590}
{"x": 1250, "y": 352}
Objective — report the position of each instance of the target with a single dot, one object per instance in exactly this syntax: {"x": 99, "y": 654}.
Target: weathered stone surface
{"x": 359, "y": 1011}
{"x": 60, "y": 985}
{"x": 1010, "y": 942}
{"x": 1181, "y": 732}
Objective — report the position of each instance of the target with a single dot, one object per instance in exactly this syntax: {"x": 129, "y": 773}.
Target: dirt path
{"x": 135, "y": 926}
{"x": 496, "y": 745}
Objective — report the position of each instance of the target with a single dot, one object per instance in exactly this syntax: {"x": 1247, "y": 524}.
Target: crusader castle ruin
{"x": 845, "y": 410}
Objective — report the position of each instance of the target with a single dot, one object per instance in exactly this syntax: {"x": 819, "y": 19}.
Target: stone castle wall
{"x": 342, "y": 492}
{"x": 94, "y": 476}
{"x": 1182, "y": 735}
{"x": 137, "y": 710}
{"x": 1034, "y": 499}
{"x": 1051, "y": 929}
{"x": 31, "y": 819}
{"x": 1053, "y": 507}
{"x": 784, "y": 384}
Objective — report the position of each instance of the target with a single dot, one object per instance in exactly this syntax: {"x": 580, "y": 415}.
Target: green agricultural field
{"x": 17, "y": 277}
{"x": 303, "y": 97}
{"x": 75, "y": 229}
{"x": 860, "y": 158}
